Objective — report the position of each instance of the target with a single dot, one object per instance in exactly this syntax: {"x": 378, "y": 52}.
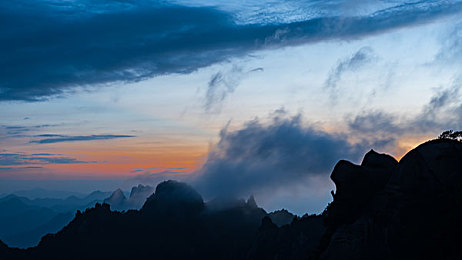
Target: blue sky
{"x": 139, "y": 91}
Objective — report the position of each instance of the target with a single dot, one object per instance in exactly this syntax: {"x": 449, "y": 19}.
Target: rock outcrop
{"x": 388, "y": 210}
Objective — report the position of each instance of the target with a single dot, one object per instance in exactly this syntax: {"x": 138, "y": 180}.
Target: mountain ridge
{"x": 382, "y": 209}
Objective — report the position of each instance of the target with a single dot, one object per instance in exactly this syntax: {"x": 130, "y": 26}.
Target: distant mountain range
{"x": 136, "y": 199}
{"x": 382, "y": 209}
{"x": 24, "y": 221}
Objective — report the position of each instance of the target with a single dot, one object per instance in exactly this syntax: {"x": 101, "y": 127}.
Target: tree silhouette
{"x": 451, "y": 135}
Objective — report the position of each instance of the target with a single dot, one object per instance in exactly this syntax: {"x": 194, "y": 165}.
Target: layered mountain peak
{"x": 141, "y": 191}
{"x": 116, "y": 200}
{"x": 117, "y": 196}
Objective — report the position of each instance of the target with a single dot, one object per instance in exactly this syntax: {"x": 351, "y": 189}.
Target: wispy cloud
{"x": 350, "y": 64}
{"x": 451, "y": 49}
{"x": 161, "y": 170}
{"x": 16, "y": 130}
{"x": 222, "y": 84}
{"x": 48, "y": 49}
{"x": 442, "y": 112}
{"x": 20, "y": 159}
{"x": 64, "y": 138}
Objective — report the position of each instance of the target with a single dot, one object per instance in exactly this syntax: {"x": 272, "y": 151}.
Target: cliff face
{"x": 388, "y": 210}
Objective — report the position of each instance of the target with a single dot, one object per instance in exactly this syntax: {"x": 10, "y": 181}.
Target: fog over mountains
{"x": 382, "y": 209}
{"x": 25, "y": 219}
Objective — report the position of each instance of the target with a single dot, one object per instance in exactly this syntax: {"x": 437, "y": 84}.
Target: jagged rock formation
{"x": 281, "y": 217}
{"x": 137, "y": 198}
{"x": 298, "y": 240}
{"x": 406, "y": 210}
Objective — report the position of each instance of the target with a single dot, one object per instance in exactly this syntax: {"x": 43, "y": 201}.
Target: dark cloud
{"x": 64, "y": 138}
{"x": 19, "y": 159}
{"x": 267, "y": 157}
{"x": 350, "y": 64}
{"x": 375, "y": 123}
{"x": 49, "y": 48}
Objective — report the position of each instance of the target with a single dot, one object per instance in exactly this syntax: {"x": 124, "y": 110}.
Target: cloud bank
{"x": 264, "y": 157}
{"x": 49, "y": 48}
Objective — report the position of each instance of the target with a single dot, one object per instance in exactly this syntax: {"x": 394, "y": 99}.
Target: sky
{"x": 234, "y": 97}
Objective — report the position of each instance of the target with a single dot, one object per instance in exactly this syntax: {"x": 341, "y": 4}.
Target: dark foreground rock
{"x": 406, "y": 210}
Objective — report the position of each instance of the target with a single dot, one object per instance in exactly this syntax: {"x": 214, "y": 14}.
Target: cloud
{"x": 19, "y": 168}
{"x": 442, "y": 112}
{"x": 64, "y": 138}
{"x": 451, "y": 49}
{"x": 283, "y": 153}
{"x": 222, "y": 84}
{"x": 18, "y": 159}
{"x": 19, "y": 130}
{"x": 350, "y": 64}
{"x": 161, "y": 170}
{"x": 49, "y": 49}
{"x": 266, "y": 157}
{"x": 375, "y": 123}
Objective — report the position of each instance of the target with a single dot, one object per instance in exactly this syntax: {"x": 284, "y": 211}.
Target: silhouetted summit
{"x": 381, "y": 209}
{"x": 173, "y": 199}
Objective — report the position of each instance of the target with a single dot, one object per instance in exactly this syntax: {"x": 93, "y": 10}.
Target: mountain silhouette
{"x": 281, "y": 217}
{"x": 382, "y": 209}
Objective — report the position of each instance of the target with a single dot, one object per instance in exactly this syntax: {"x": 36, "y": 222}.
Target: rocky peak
{"x": 372, "y": 159}
{"x": 175, "y": 199}
{"x": 141, "y": 191}
{"x": 251, "y": 202}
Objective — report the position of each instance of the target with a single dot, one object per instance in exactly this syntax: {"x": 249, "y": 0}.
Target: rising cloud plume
{"x": 271, "y": 156}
